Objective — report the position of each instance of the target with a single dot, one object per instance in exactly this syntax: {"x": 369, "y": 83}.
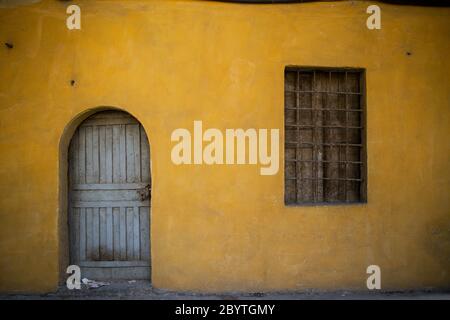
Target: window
{"x": 325, "y": 150}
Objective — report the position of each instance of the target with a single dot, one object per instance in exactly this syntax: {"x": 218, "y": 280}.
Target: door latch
{"x": 144, "y": 193}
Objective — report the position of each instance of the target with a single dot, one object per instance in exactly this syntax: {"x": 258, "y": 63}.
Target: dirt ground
{"x": 142, "y": 290}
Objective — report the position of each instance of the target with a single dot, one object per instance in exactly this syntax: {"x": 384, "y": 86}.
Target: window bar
{"x": 338, "y": 150}
{"x": 326, "y": 161}
{"x": 362, "y": 151}
{"x": 312, "y": 184}
{"x": 319, "y": 143}
{"x": 342, "y": 162}
{"x": 325, "y": 178}
{"x": 306, "y": 144}
{"x": 297, "y": 121}
{"x": 313, "y": 135}
{"x": 326, "y": 109}
{"x": 346, "y": 136}
{"x": 320, "y": 91}
{"x": 326, "y": 119}
{"x": 305, "y": 126}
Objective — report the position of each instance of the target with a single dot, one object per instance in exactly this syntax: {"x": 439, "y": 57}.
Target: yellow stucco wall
{"x": 222, "y": 228}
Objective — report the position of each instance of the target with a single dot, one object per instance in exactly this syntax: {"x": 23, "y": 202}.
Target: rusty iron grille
{"x": 325, "y": 150}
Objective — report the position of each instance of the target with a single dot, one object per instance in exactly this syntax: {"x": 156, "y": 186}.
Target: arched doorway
{"x": 109, "y": 197}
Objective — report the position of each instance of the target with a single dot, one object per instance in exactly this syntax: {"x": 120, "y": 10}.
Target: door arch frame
{"x": 63, "y": 186}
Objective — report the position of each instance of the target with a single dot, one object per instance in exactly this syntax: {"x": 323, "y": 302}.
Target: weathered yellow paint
{"x": 221, "y": 228}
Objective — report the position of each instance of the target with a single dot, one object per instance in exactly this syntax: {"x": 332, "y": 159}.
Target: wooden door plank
{"x": 109, "y": 186}
{"x": 74, "y": 235}
{"x": 95, "y": 156}
{"x": 82, "y": 233}
{"x": 116, "y": 153}
{"x": 130, "y": 243}
{"x": 76, "y": 232}
{"x": 73, "y": 159}
{"x": 102, "y": 151}
{"x": 113, "y": 264}
{"x": 130, "y": 160}
{"x": 123, "y": 234}
{"x": 103, "y": 228}
{"x": 82, "y": 155}
{"x": 108, "y": 203}
{"x": 109, "y": 154}
{"x": 89, "y": 157}
{"x": 109, "y": 235}
{"x": 106, "y": 195}
{"x": 89, "y": 233}
{"x": 136, "y": 236}
{"x": 96, "y": 234}
{"x": 116, "y": 233}
{"x": 137, "y": 152}
{"x": 145, "y": 156}
{"x": 122, "y": 155}
{"x": 144, "y": 233}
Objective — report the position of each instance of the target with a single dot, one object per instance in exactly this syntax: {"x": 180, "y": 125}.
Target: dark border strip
{"x": 424, "y": 3}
